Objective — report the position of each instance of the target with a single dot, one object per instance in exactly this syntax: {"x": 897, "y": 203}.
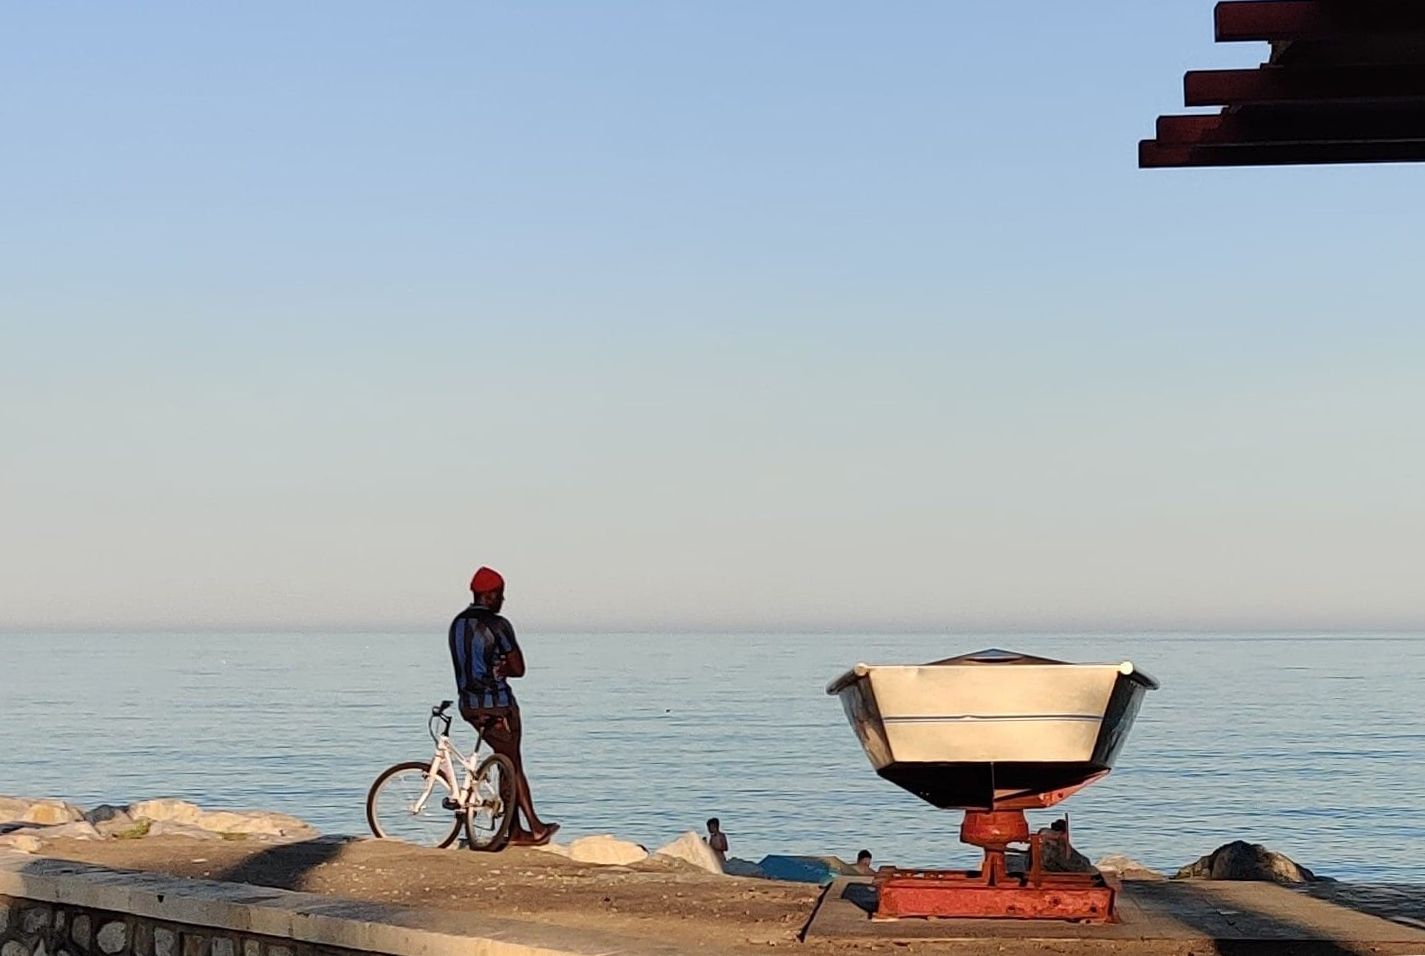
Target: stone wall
{"x": 30, "y": 928}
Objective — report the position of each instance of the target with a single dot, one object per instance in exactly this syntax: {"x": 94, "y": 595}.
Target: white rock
{"x": 557, "y": 849}
{"x": 166, "y": 828}
{"x": 166, "y": 811}
{"x": 1127, "y": 868}
{"x": 80, "y": 830}
{"x": 21, "y": 842}
{"x": 690, "y": 848}
{"x": 606, "y": 849}
{"x": 46, "y": 812}
{"x": 254, "y": 822}
{"x": 221, "y": 821}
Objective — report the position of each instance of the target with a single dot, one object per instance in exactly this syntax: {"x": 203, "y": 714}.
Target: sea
{"x": 1312, "y": 744}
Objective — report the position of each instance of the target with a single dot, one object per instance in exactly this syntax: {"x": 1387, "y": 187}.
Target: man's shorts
{"x": 495, "y": 724}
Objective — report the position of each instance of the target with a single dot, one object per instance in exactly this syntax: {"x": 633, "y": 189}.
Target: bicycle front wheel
{"x": 491, "y": 810}
{"x": 407, "y": 804}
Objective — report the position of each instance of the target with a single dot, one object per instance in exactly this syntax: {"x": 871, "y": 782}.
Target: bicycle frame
{"x": 442, "y": 763}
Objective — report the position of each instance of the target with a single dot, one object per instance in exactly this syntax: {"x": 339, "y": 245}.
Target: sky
{"x": 710, "y": 315}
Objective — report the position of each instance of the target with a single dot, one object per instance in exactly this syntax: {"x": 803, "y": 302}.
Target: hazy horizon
{"x": 797, "y": 316}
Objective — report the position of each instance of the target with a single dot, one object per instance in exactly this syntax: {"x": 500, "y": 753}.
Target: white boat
{"x": 994, "y": 729}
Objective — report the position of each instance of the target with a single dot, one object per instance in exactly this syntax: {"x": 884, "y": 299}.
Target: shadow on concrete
{"x": 1244, "y": 919}
{"x": 284, "y": 866}
{"x": 1401, "y": 903}
{"x": 862, "y": 896}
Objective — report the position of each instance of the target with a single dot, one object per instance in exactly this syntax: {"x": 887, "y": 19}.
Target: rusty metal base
{"x": 992, "y": 892}
{"x": 958, "y": 894}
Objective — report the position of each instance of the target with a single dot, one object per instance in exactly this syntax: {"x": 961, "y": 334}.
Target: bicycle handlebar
{"x": 439, "y": 714}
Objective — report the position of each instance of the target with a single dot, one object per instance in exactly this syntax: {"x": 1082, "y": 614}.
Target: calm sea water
{"x": 1312, "y": 744}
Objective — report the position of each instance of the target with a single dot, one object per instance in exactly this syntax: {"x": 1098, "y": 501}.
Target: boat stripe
{"x": 948, "y": 718}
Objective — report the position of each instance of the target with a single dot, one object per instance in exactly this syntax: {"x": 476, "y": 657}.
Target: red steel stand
{"x": 993, "y": 892}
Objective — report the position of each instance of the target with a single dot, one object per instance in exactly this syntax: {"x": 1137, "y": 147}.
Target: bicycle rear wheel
{"x": 392, "y": 811}
{"x": 491, "y": 811}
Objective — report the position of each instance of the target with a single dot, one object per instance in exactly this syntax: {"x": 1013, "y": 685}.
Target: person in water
{"x": 486, "y": 655}
{"x": 863, "y": 863}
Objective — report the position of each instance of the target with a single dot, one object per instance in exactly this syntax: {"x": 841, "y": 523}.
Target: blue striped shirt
{"x": 478, "y": 639}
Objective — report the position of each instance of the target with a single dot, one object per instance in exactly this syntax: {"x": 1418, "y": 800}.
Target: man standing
{"x": 485, "y": 654}
{"x": 717, "y": 840}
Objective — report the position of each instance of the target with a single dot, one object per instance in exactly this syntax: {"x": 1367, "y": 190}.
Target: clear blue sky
{"x": 758, "y": 314}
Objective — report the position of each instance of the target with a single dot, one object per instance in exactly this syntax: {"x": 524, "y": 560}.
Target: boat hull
{"x": 992, "y": 732}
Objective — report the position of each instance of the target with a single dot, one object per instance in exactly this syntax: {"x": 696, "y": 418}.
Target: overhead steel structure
{"x": 1345, "y": 83}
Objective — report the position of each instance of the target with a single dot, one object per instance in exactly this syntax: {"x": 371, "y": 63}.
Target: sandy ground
{"x": 667, "y": 902}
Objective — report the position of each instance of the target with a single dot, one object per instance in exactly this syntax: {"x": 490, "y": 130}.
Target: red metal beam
{"x": 1264, "y": 125}
{"x": 1238, "y": 20}
{"x": 1153, "y": 154}
{"x": 1280, "y": 84}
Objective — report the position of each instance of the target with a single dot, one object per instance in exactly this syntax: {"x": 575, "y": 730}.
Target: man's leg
{"x": 504, "y": 738}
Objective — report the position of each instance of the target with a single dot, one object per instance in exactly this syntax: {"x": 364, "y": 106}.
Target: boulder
{"x": 1059, "y": 856}
{"x": 558, "y": 849}
{"x": 79, "y": 830}
{"x": 165, "y": 811}
{"x": 606, "y": 849}
{"x": 736, "y": 866}
{"x": 690, "y": 848}
{"x": 221, "y": 821}
{"x": 44, "y": 812}
{"x": 108, "y": 813}
{"x": 1240, "y": 860}
{"x": 167, "y": 828}
{"x": 1126, "y": 868}
{"x": 22, "y": 842}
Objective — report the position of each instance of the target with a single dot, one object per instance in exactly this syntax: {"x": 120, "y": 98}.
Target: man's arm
{"x": 512, "y": 658}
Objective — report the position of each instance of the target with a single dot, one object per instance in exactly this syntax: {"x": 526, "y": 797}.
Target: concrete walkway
{"x": 319, "y": 921}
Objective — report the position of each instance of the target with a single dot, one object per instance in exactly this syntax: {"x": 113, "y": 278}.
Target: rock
{"x": 79, "y": 931}
{"x": 222, "y": 946}
{"x": 606, "y": 849}
{"x": 166, "y": 811}
{"x": 44, "y": 812}
{"x": 1240, "y": 860}
{"x": 14, "y": 948}
{"x": 35, "y": 919}
{"x": 165, "y": 828}
{"x": 112, "y": 938}
{"x": 79, "y": 830}
{"x": 1058, "y": 856}
{"x": 165, "y": 942}
{"x": 142, "y": 942}
{"x": 735, "y": 866}
{"x": 690, "y": 848}
{"x": 21, "y": 842}
{"x": 1127, "y": 868}
{"x": 221, "y": 821}
{"x": 558, "y": 849}
{"x": 108, "y": 818}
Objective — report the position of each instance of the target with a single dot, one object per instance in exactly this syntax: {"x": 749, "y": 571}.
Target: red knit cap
{"x": 487, "y": 579}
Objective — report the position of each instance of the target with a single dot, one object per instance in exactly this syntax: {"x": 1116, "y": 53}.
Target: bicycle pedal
{"x": 449, "y": 804}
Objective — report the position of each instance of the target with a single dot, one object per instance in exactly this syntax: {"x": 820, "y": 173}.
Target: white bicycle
{"x": 422, "y": 803}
